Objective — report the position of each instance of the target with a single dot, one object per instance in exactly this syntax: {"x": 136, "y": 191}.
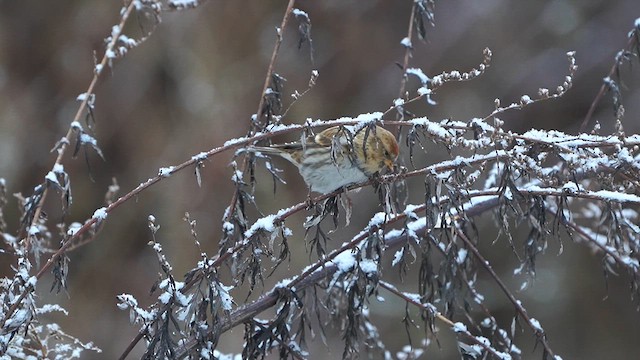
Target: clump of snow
{"x": 368, "y": 266}
{"x": 459, "y": 327}
{"x": 199, "y": 157}
{"x": 75, "y": 125}
{"x": 73, "y": 228}
{"x": 424, "y": 79}
{"x": 462, "y": 256}
{"x": 536, "y": 325}
{"x": 100, "y": 214}
{"x": 345, "y": 261}
{"x": 225, "y": 298}
{"x": 166, "y": 171}
{"x": 265, "y": 223}
{"x": 51, "y": 177}
{"x": 397, "y": 257}
{"x": 298, "y": 12}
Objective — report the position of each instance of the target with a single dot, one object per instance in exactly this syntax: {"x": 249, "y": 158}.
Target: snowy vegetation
{"x": 579, "y": 187}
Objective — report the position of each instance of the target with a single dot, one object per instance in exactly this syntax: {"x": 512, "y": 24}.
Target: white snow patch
{"x": 100, "y": 214}
{"x": 166, "y": 171}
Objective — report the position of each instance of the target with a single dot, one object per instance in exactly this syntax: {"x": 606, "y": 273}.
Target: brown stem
{"x": 542, "y": 337}
{"x": 267, "y": 79}
{"x": 438, "y": 316}
{"x": 603, "y": 87}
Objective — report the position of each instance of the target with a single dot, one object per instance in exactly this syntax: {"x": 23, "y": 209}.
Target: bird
{"x": 339, "y": 156}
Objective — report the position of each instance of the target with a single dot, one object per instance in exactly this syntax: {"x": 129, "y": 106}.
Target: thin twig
{"x": 267, "y": 79}
{"x": 540, "y": 334}
{"x": 322, "y": 269}
{"x": 133, "y": 343}
{"x": 438, "y": 316}
{"x": 407, "y": 53}
{"x": 81, "y": 109}
{"x": 603, "y": 87}
{"x": 606, "y": 249}
{"x": 61, "y": 152}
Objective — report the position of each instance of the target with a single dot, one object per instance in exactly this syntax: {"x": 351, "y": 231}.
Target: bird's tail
{"x": 262, "y": 151}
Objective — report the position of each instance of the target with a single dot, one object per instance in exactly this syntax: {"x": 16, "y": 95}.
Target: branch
{"x": 603, "y": 88}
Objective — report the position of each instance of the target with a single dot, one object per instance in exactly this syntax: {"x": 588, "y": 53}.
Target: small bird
{"x": 337, "y": 157}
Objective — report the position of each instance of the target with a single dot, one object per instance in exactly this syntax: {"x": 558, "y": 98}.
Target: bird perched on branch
{"x": 337, "y": 156}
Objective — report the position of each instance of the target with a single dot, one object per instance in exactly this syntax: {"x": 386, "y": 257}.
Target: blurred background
{"x": 195, "y": 83}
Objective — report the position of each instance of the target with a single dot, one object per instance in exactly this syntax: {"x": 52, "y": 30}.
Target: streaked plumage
{"x": 336, "y": 157}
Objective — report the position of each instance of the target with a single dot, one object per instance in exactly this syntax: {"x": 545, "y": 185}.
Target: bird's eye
{"x": 386, "y": 153}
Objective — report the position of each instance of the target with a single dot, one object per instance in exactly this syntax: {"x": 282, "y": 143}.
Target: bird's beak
{"x": 389, "y": 164}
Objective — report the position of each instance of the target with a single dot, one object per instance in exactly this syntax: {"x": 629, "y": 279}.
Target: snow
{"x": 525, "y": 99}
{"x": 184, "y": 3}
{"x": 414, "y": 226}
{"x": 51, "y": 177}
{"x": 424, "y": 79}
{"x": 127, "y": 40}
{"x": 462, "y": 256}
{"x": 115, "y": 31}
{"x": 431, "y": 127}
{"x": 283, "y": 283}
{"x": 33, "y": 230}
{"x": 126, "y": 300}
{"x": 19, "y": 317}
{"x": 225, "y": 298}
{"x": 164, "y": 297}
{"x": 486, "y": 322}
{"x": 199, "y": 157}
{"x": 76, "y": 126}
{"x": 88, "y": 139}
{"x": 100, "y": 214}
{"x": 616, "y": 196}
{"x": 345, "y": 261}
{"x": 235, "y": 141}
{"x": 73, "y": 228}
{"x": 424, "y": 91}
{"x": 49, "y": 308}
{"x": 413, "y": 297}
{"x": 9, "y": 239}
{"x": 368, "y": 266}
{"x": 459, "y": 327}
{"x": 363, "y": 120}
{"x": 265, "y": 223}
{"x": 397, "y": 257}
{"x": 629, "y": 261}
{"x": 571, "y": 187}
{"x": 166, "y": 171}
{"x": 410, "y": 209}
{"x": 298, "y": 12}
{"x": 536, "y": 325}
{"x": 222, "y": 356}
{"x": 228, "y": 227}
{"x": 376, "y": 220}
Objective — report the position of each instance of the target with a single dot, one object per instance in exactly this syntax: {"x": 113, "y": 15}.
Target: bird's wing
{"x": 325, "y": 138}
